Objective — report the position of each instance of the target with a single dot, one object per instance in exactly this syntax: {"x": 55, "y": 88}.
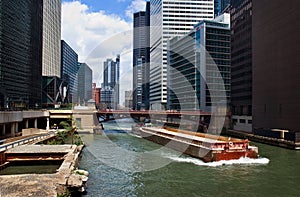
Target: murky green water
{"x": 29, "y": 169}
{"x": 115, "y": 170}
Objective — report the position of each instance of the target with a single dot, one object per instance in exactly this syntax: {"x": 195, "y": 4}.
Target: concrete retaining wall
{"x": 8, "y": 117}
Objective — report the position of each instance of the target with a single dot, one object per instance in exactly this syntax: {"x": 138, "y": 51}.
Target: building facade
{"x": 128, "y": 99}
{"x": 220, "y": 6}
{"x": 199, "y": 67}
{"x": 141, "y": 58}
{"x": 108, "y": 99}
{"x": 241, "y": 64}
{"x": 52, "y": 38}
{"x": 84, "y": 87}
{"x": 96, "y": 95}
{"x": 69, "y": 66}
{"x": 276, "y": 61}
{"x": 111, "y": 83}
{"x": 21, "y": 31}
{"x": 169, "y": 18}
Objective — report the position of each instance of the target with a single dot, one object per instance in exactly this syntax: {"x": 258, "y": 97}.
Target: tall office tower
{"x": 69, "y": 68}
{"x": 52, "y": 38}
{"x": 21, "y": 53}
{"x": 141, "y": 58}
{"x": 84, "y": 81}
{"x": 199, "y": 67}
{"x": 111, "y": 85}
{"x": 169, "y": 18}
{"x": 276, "y": 70}
{"x": 241, "y": 64}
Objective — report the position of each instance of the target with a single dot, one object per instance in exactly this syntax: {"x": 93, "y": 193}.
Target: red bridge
{"x": 153, "y": 114}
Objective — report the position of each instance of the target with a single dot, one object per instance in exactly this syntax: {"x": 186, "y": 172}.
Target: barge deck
{"x": 207, "y": 147}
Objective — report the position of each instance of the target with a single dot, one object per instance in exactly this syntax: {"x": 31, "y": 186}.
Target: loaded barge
{"x": 207, "y": 147}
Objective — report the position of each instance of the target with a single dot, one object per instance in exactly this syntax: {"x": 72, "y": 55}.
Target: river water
{"x": 121, "y": 164}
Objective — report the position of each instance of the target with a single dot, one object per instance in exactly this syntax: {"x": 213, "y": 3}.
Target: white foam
{"x": 241, "y": 161}
{"x": 134, "y": 135}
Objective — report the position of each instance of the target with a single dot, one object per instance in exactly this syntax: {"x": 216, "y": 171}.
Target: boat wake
{"x": 241, "y": 161}
{"x": 134, "y": 135}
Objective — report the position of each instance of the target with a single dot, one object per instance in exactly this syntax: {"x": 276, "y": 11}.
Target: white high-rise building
{"x": 51, "y": 38}
{"x": 169, "y": 18}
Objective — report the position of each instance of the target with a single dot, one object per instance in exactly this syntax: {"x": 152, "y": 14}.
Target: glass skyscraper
{"x": 276, "y": 70}
{"x": 110, "y": 94}
{"x": 169, "y": 18}
{"x": 69, "y": 68}
{"x": 199, "y": 66}
{"x": 84, "y": 87}
{"x": 21, "y": 54}
{"x": 141, "y": 58}
{"x": 52, "y": 38}
{"x": 241, "y": 64}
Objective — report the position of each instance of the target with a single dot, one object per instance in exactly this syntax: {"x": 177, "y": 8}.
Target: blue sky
{"x": 117, "y": 7}
{"x": 101, "y": 29}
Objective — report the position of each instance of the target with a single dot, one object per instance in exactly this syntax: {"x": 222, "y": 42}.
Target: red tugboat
{"x": 207, "y": 147}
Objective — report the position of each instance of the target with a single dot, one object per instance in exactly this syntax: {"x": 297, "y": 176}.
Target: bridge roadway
{"x": 108, "y": 114}
{"x": 168, "y": 112}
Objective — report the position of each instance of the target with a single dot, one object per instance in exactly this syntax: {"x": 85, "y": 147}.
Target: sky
{"x": 100, "y": 29}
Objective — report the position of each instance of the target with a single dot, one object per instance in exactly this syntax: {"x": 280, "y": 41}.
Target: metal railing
{"x": 7, "y": 146}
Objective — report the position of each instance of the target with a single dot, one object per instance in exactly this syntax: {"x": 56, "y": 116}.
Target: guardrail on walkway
{"x": 26, "y": 141}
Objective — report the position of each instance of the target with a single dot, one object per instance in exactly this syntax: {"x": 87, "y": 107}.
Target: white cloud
{"x": 96, "y": 36}
{"x": 135, "y": 6}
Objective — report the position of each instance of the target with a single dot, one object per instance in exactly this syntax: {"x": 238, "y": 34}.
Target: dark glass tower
{"x": 241, "y": 64}
{"x": 110, "y": 92}
{"x": 141, "y": 58}
{"x": 84, "y": 84}
{"x": 276, "y": 65}
{"x": 69, "y": 61}
{"x": 21, "y": 54}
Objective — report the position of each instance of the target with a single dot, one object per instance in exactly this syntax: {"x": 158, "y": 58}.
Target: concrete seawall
{"x": 46, "y": 184}
{"x": 265, "y": 140}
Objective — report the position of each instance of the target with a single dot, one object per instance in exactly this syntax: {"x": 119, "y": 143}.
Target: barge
{"x": 206, "y": 147}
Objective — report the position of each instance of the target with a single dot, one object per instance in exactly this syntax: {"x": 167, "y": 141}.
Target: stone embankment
{"x": 66, "y": 177}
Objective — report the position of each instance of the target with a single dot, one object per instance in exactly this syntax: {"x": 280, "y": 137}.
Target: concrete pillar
{"x": 13, "y": 129}
{"x": 17, "y": 127}
{"x": 35, "y": 123}
{"x": 26, "y": 123}
{"x": 48, "y": 124}
{"x": 3, "y": 129}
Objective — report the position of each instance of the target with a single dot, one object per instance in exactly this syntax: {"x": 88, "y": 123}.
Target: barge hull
{"x": 204, "y": 153}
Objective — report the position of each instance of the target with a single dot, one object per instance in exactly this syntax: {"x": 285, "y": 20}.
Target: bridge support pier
{"x": 13, "y": 129}
{"x": 26, "y": 124}
{"x": 35, "y": 123}
{"x": 3, "y": 129}
{"x": 48, "y": 124}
